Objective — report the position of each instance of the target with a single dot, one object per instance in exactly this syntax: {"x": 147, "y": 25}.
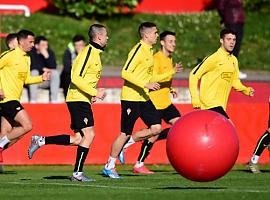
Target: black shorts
{"x": 220, "y": 110}
{"x": 131, "y": 111}
{"x": 168, "y": 113}
{"x": 81, "y": 115}
{"x": 10, "y": 109}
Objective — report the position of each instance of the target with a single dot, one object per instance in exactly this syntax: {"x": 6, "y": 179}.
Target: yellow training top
{"x": 136, "y": 72}
{"x": 163, "y": 72}
{"x": 218, "y": 74}
{"x": 15, "y": 72}
{"x": 85, "y": 74}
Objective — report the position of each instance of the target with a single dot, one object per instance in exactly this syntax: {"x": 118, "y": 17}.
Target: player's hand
{"x": 101, "y": 93}
{"x": 152, "y": 86}
{"x": 93, "y": 100}
{"x": 196, "y": 105}
{"x": 46, "y": 74}
{"x": 2, "y": 96}
{"x": 252, "y": 92}
{"x": 174, "y": 94}
{"x": 178, "y": 67}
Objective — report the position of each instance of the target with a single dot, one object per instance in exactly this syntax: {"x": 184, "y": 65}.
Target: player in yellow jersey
{"x": 82, "y": 92}
{"x": 262, "y": 143}
{"x": 218, "y": 74}
{"x": 163, "y": 73}
{"x": 15, "y": 72}
{"x": 12, "y": 43}
{"x": 137, "y": 73}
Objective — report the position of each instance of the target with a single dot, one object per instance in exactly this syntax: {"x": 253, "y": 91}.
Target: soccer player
{"x": 82, "y": 91}
{"x": 12, "y": 43}
{"x": 218, "y": 74}
{"x": 137, "y": 73}
{"x": 15, "y": 72}
{"x": 263, "y": 142}
{"x": 163, "y": 73}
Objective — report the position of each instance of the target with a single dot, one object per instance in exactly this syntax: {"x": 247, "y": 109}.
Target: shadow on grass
{"x": 191, "y": 188}
{"x": 8, "y": 172}
{"x": 122, "y": 175}
{"x": 56, "y": 177}
{"x": 165, "y": 171}
{"x": 248, "y": 171}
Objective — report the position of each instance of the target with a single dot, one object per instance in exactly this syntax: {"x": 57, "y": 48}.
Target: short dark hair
{"x": 165, "y": 33}
{"x": 23, "y": 34}
{"x": 94, "y": 29}
{"x": 226, "y": 31}
{"x": 77, "y": 38}
{"x": 40, "y": 38}
{"x": 10, "y": 37}
{"x": 145, "y": 25}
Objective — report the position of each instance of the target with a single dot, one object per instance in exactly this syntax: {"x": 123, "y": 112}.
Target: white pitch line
{"x": 137, "y": 188}
{"x": 81, "y": 185}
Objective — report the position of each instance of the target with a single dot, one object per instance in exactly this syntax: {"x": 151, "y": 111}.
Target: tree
{"x": 84, "y": 8}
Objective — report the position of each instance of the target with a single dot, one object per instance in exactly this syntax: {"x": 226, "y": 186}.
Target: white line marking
{"x": 138, "y": 188}
{"x": 80, "y": 185}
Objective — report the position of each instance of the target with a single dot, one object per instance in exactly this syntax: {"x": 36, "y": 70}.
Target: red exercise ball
{"x": 202, "y": 145}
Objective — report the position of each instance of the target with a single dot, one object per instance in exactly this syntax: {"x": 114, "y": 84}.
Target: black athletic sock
{"x": 58, "y": 139}
{"x": 145, "y": 150}
{"x": 81, "y": 156}
{"x": 262, "y": 143}
{"x": 163, "y": 135}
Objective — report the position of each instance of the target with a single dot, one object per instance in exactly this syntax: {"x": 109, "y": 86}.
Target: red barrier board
{"x": 250, "y": 120}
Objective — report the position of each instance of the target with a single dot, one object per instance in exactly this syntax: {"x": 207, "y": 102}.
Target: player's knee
{"x": 89, "y": 134}
{"x": 77, "y": 139}
{"x": 27, "y": 126}
{"x": 155, "y": 129}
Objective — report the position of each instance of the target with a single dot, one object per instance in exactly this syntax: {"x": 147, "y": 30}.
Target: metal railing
{"x": 16, "y": 7}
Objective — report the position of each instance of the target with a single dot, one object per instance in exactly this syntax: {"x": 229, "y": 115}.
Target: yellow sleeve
{"x": 160, "y": 77}
{"x": 3, "y": 60}
{"x": 130, "y": 66}
{"x": 195, "y": 75}
{"x": 130, "y": 77}
{"x": 76, "y": 76}
{"x": 2, "y": 64}
{"x": 237, "y": 84}
{"x": 33, "y": 80}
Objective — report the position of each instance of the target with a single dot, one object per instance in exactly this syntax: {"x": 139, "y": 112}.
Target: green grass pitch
{"x": 52, "y": 182}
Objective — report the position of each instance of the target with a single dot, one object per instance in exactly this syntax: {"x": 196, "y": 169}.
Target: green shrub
{"x": 86, "y": 8}
{"x": 257, "y": 5}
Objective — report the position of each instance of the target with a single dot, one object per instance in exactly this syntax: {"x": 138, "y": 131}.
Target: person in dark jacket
{"x": 43, "y": 58}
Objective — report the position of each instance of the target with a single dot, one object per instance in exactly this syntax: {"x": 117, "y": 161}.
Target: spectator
{"x": 73, "y": 49}
{"x": 43, "y": 58}
{"x": 232, "y": 17}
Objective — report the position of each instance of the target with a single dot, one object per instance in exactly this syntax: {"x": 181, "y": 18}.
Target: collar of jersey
{"x": 96, "y": 45}
{"x": 20, "y": 51}
{"x": 223, "y": 51}
{"x": 163, "y": 55}
{"x": 146, "y": 45}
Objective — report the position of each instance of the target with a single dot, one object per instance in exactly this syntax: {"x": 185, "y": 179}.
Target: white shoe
{"x": 34, "y": 145}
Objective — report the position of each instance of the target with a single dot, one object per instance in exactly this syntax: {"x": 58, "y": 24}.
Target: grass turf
{"x": 52, "y": 182}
